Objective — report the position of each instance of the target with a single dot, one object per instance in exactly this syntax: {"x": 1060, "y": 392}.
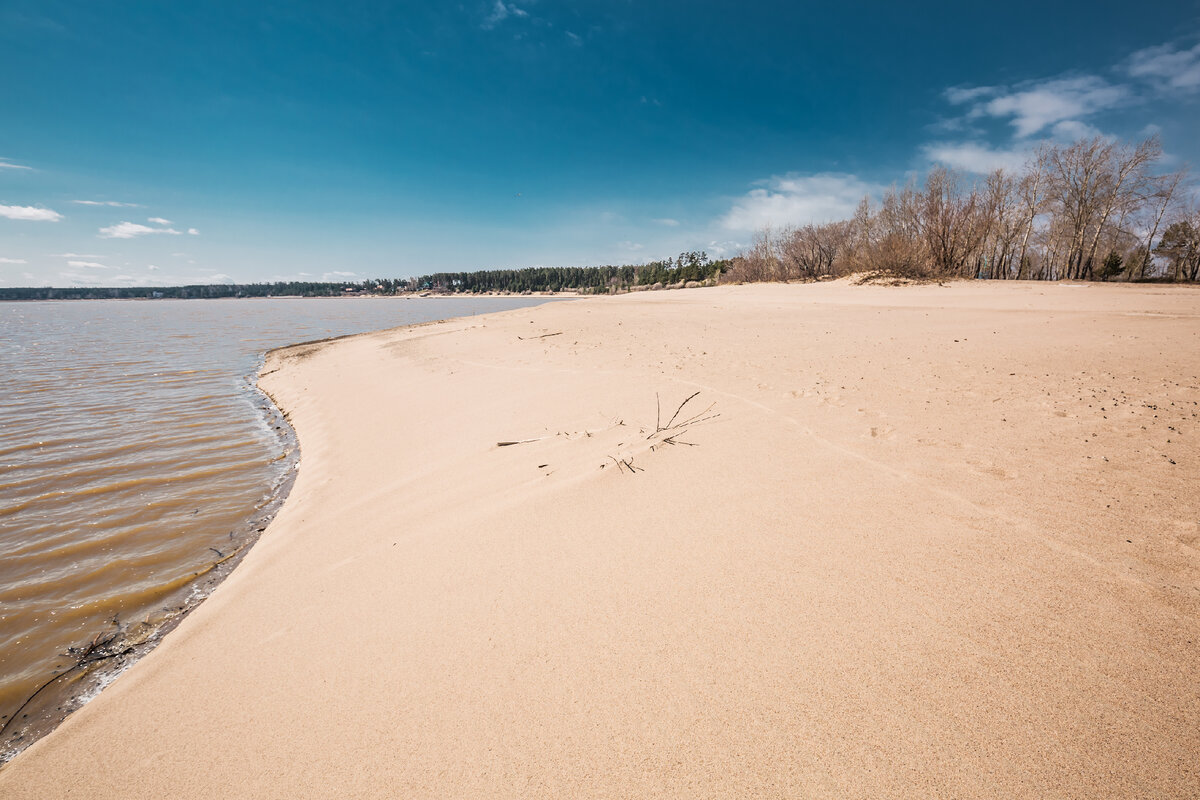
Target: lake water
{"x": 137, "y": 460}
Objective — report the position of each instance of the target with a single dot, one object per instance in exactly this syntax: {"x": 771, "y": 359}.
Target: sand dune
{"x": 913, "y": 541}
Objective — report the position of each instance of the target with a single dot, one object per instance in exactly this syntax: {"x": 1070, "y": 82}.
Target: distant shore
{"x": 770, "y": 540}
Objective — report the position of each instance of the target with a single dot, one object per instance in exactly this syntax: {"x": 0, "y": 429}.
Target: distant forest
{"x": 1096, "y": 209}
{"x": 692, "y": 268}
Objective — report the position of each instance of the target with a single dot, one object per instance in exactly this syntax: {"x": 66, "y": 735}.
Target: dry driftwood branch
{"x": 696, "y": 417}
{"x": 543, "y": 336}
{"x": 676, "y": 414}
{"x": 94, "y": 651}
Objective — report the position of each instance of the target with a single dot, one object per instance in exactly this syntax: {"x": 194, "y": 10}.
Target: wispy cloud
{"x": 30, "y": 213}
{"x": 966, "y": 94}
{"x": 974, "y": 156}
{"x": 159, "y": 221}
{"x": 130, "y": 230}
{"x": 1064, "y": 107}
{"x": 1164, "y": 64}
{"x": 574, "y": 38}
{"x": 798, "y": 199}
{"x": 500, "y": 12}
{"x": 1034, "y": 106}
{"x": 193, "y": 232}
{"x": 113, "y": 203}
{"x": 724, "y": 248}
{"x": 87, "y": 265}
{"x": 670, "y": 223}
{"x": 6, "y": 164}
{"x": 75, "y": 255}
{"x": 13, "y": 261}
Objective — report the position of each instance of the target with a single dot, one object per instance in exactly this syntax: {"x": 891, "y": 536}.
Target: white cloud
{"x": 129, "y": 230}
{"x": 30, "y": 213}
{"x": 721, "y": 249}
{"x": 6, "y": 164}
{"x": 151, "y": 267}
{"x": 500, "y": 12}
{"x": 1037, "y": 105}
{"x": 193, "y": 232}
{"x": 112, "y": 203}
{"x": 75, "y": 255}
{"x": 13, "y": 261}
{"x": 220, "y": 277}
{"x": 974, "y": 156}
{"x": 159, "y": 221}
{"x": 337, "y": 275}
{"x": 1179, "y": 69}
{"x": 632, "y": 247}
{"x": 574, "y": 38}
{"x": 797, "y": 200}
{"x": 965, "y": 94}
{"x": 87, "y": 265}
{"x": 1073, "y": 130}
{"x": 670, "y": 223}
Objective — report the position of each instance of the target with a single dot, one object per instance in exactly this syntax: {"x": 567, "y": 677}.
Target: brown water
{"x": 136, "y": 455}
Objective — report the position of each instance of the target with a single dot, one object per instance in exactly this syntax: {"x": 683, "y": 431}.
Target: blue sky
{"x": 151, "y": 142}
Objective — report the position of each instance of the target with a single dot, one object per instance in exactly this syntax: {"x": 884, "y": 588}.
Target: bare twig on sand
{"x": 543, "y": 336}
{"x": 519, "y": 441}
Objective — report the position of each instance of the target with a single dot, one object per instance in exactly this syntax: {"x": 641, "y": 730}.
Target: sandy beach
{"x": 925, "y": 541}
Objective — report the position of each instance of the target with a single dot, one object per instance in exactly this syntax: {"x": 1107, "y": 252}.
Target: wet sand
{"x": 910, "y": 541}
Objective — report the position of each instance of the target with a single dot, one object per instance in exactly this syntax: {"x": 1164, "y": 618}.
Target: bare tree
{"x": 1166, "y": 187}
{"x": 949, "y": 221}
{"x": 1127, "y": 175}
{"x": 1067, "y": 209}
{"x": 1032, "y": 190}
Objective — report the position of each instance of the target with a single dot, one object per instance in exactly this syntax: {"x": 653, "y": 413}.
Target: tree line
{"x": 1096, "y": 209}
{"x": 688, "y": 268}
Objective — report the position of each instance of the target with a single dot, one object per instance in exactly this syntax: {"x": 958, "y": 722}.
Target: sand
{"x": 929, "y": 542}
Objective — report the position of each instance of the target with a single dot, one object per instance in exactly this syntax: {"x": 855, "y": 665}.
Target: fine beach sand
{"x": 929, "y": 541}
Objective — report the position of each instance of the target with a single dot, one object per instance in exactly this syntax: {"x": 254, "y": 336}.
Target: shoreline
{"x": 68, "y": 691}
{"x": 857, "y": 579}
{"x": 94, "y": 661}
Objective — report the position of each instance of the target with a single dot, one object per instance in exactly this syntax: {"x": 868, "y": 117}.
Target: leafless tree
{"x": 1068, "y": 209}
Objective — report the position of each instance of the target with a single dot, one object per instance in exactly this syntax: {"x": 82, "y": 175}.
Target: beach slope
{"x": 763, "y": 541}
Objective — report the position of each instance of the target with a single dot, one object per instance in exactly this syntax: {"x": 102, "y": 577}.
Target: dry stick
{"x": 85, "y": 658}
{"x": 673, "y": 440}
{"x": 519, "y": 441}
{"x": 88, "y": 655}
{"x": 685, "y": 425}
{"x": 691, "y": 420}
{"x": 681, "y": 405}
{"x": 543, "y": 336}
{"x": 657, "y": 413}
